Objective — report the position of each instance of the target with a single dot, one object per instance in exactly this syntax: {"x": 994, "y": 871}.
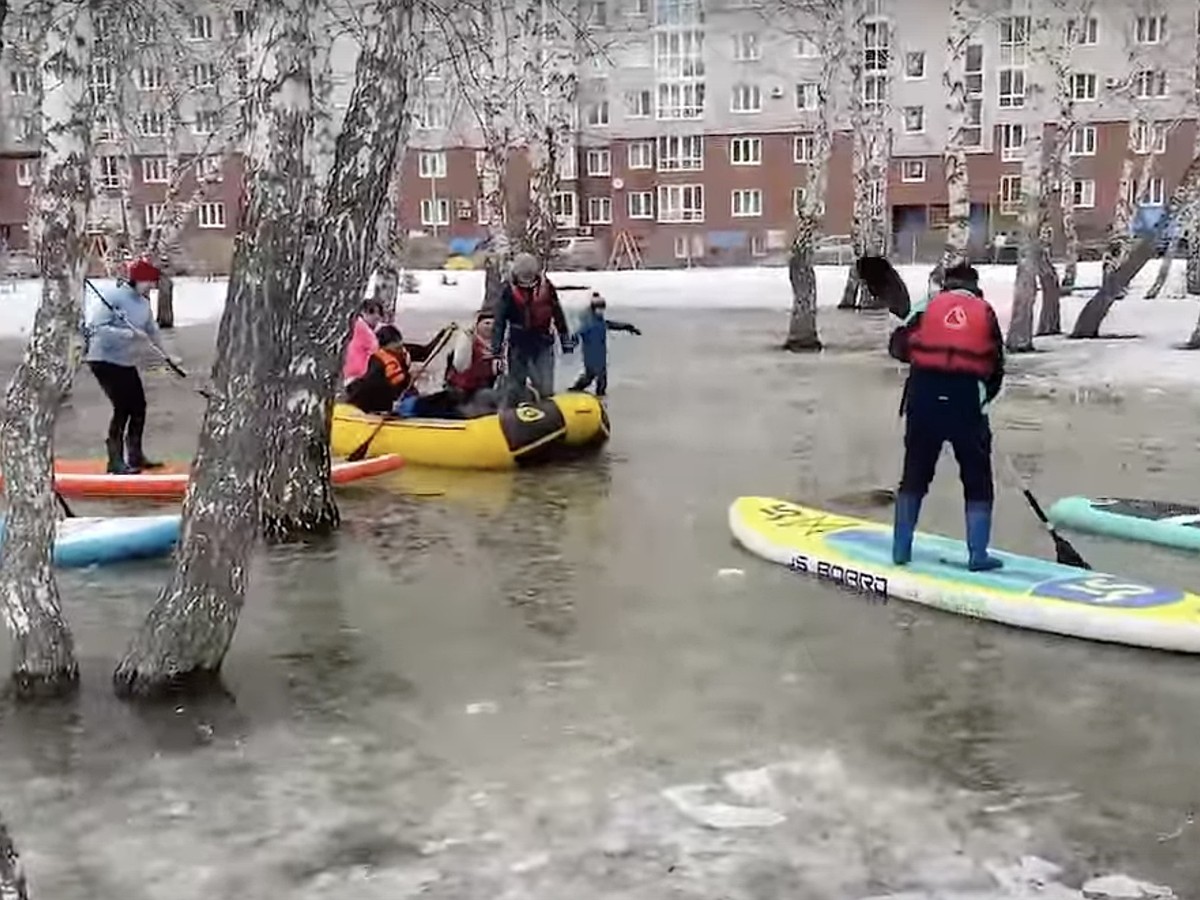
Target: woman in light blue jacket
{"x": 115, "y": 323}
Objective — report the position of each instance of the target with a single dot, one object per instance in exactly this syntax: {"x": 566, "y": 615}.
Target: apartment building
{"x": 691, "y": 133}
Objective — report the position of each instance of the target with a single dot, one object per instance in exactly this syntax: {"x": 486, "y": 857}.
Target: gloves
{"x": 636, "y": 330}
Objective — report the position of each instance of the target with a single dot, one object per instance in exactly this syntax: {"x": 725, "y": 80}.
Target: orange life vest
{"x": 396, "y": 366}
{"x": 955, "y": 334}
{"x": 536, "y": 306}
{"x": 479, "y": 374}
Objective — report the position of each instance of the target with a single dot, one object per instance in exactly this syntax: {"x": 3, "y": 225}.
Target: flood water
{"x": 495, "y": 686}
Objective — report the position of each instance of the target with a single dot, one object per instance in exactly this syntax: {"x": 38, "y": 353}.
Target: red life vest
{"x": 396, "y": 366}
{"x": 536, "y": 306}
{"x": 479, "y": 374}
{"x": 955, "y": 334}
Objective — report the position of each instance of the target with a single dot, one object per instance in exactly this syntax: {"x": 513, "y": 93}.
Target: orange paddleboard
{"x": 87, "y": 477}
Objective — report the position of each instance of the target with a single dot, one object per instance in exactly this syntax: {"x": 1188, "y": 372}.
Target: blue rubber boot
{"x": 908, "y": 510}
{"x": 979, "y": 532}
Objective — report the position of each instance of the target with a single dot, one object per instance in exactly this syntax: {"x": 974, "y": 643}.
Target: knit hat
{"x": 143, "y": 270}
{"x": 388, "y": 334}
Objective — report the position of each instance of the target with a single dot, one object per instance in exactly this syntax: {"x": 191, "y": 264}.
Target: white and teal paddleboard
{"x": 1147, "y": 521}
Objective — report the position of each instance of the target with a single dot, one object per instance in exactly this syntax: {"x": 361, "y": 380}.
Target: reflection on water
{"x": 485, "y": 667}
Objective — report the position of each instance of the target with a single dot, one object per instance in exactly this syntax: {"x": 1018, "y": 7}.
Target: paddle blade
{"x": 1065, "y": 553}
{"x": 359, "y": 453}
{"x": 885, "y": 284}
{"x": 867, "y": 498}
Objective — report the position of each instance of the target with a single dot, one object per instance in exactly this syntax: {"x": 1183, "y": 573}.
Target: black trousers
{"x": 970, "y": 438}
{"x": 123, "y": 387}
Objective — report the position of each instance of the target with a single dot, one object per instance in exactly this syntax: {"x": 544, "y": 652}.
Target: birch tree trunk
{"x": 1069, "y": 229}
{"x": 388, "y": 261}
{"x": 494, "y": 191}
{"x": 1119, "y": 236}
{"x": 187, "y": 633}
{"x": 879, "y": 228}
{"x": 1192, "y": 223}
{"x": 1164, "y": 269}
{"x": 43, "y": 656}
{"x": 13, "y": 885}
{"x": 1029, "y": 258}
{"x": 1062, "y": 162}
{"x": 299, "y": 499}
{"x": 852, "y": 292}
{"x": 954, "y": 159}
{"x": 1087, "y": 325}
{"x": 1050, "y": 314}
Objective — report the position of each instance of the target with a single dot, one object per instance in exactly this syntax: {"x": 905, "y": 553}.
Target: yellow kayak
{"x": 560, "y": 427}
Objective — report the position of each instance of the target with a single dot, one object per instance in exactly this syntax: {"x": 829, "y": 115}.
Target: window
{"x": 1154, "y": 194}
{"x": 1083, "y": 193}
{"x": 145, "y": 31}
{"x": 597, "y": 13}
{"x": 876, "y": 45}
{"x": 747, "y": 98}
{"x": 597, "y": 114}
{"x": 599, "y": 210}
{"x": 804, "y": 148}
{"x": 799, "y": 196}
{"x": 874, "y": 89}
{"x": 1148, "y": 138}
{"x": 1083, "y": 140}
{"x": 681, "y": 203}
{"x": 1010, "y": 194}
{"x": 152, "y": 124}
{"x": 1150, "y": 83}
{"x": 210, "y": 215}
{"x": 599, "y": 162}
{"x": 914, "y": 119}
{"x": 1083, "y": 32}
{"x": 22, "y": 82}
{"x": 681, "y": 100}
{"x": 914, "y": 65}
{"x": 204, "y": 75}
{"x": 432, "y": 164}
{"x": 241, "y": 21}
{"x": 758, "y": 245}
{"x": 101, "y": 83}
{"x": 973, "y": 70}
{"x": 1150, "y": 29}
{"x": 435, "y": 211}
{"x": 806, "y": 48}
{"x": 640, "y": 205}
{"x": 912, "y": 171}
{"x": 155, "y": 214}
{"x": 1014, "y": 40}
{"x": 745, "y": 47}
{"x": 689, "y": 246}
{"x": 241, "y": 69}
{"x": 638, "y": 104}
{"x": 106, "y": 127}
{"x": 211, "y": 169}
{"x": 154, "y": 170}
{"x": 746, "y": 203}
{"x": 1012, "y": 88}
{"x": 678, "y": 153}
{"x": 806, "y": 96}
{"x": 640, "y": 155}
{"x": 678, "y": 12}
{"x": 206, "y": 122}
{"x": 1083, "y": 86}
{"x": 150, "y": 78}
{"x": 431, "y": 116}
{"x": 568, "y": 165}
{"x": 640, "y": 7}
{"x": 1012, "y": 142}
{"x": 745, "y": 151}
{"x": 563, "y": 203}
{"x": 25, "y": 173}
{"x": 200, "y": 28}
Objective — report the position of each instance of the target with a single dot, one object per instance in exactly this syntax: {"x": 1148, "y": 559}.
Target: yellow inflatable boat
{"x": 560, "y": 427}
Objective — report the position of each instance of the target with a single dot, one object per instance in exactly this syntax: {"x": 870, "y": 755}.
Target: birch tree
{"x": 43, "y": 656}
{"x": 389, "y": 236}
{"x": 1192, "y": 276}
{"x": 187, "y": 633}
{"x": 959, "y": 33}
{"x": 299, "y": 498}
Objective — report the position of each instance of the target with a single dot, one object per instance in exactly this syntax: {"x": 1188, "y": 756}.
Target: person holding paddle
{"x": 955, "y": 351}
{"x": 389, "y": 372}
{"x": 113, "y": 329}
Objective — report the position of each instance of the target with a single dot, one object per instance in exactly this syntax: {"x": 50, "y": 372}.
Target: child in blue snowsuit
{"x": 593, "y": 335}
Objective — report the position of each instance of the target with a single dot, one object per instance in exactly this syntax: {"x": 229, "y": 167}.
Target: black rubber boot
{"x": 133, "y": 446}
{"x": 116, "y": 459}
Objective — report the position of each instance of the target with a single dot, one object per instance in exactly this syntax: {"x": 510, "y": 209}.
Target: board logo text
{"x": 853, "y": 579}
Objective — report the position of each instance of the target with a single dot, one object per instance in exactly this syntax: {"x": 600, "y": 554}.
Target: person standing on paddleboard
{"x": 115, "y": 323}
{"x": 955, "y": 351}
{"x": 528, "y": 312}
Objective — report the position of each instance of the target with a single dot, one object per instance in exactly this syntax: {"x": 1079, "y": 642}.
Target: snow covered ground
{"x": 1161, "y": 324}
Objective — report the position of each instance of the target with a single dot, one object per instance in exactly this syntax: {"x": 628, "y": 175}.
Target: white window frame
{"x": 1082, "y": 141}
{"x": 683, "y": 211}
{"x": 599, "y": 210}
{"x": 598, "y": 162}
{"x": 909, "y": 56}
{"x": 1083, "y": 193}
{"x": 211, "y": 215}
{"x": 1012, "y": 141}
{"x": 639, "y": 103}
{"x": 1017, "y": 88}
{"x": 200, "y": 28}
{"x": 157, "y": 121}
{"x": 758, "y": 244}
{"x": 799, "y": 195}
{"x": 431, "y": 116}
{"x": 432, "y": 209}
{"x": 566, "y": 209}
{"x": 680, "y": 153}
{"x": 151, "y": 78}
{"x": 1155, "y": 194}
{"x": 155, "y": 170}
{"x": 204, "y": 118}
{"x": 1151, "y": 84}
{"x": 597, "y": 114}
{"x": 1149, "y": 138}
{"x": 211, "y": 169}
{"x": 153, "y": 214}
{"x": 745, "y": 151}
{"x": 1083, "y": 31}
{"x": 875, "y": 89}
{"x": 1089, "y": 82}
{"x": 22, "y": 82}
{"x": 807, "y": 48}
{"x": 877, "y": 46}
{"x": 920, "y": 111}
{"x": 745, "y": 99}
{"x": 918, "y": 172}
{"x": 804, "y": 148}
{"x": 1012, "y": 203}
{"x": 680, "y": 100}
{"x": 808, "y": 96}
{"x": 746, "y": 203}
{"x": 746, "y": 46}
{"x": 431, "y": 164}
{"x": 639, "y": 205}
{"x": 1150, "y": 29}
{"x": 204, "y": 75}
{"x": 689, "y": 246}
{"x": 643, "y": 158}
{"x": 25, "y": 173}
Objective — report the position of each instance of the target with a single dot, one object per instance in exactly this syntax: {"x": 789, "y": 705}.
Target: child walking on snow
{"x": 593, "y": 335}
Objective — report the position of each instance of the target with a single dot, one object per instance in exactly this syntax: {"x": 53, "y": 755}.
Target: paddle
{"x": 62, "y": 502}
{"x": 1064, "y": 551}
{"x": 360, "y": 452}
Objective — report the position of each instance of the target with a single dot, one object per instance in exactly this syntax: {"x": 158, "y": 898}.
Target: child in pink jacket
{"x": 362, "y": 341}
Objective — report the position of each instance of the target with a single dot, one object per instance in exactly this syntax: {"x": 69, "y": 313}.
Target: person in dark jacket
{"x": 389, "y": 374}
{"x": 955, "y": 351}
{"x": 593, "y": 336}
{"x": 529, "y": 314}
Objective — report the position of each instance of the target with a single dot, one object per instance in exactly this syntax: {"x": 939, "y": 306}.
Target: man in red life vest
{"x": 528, "y": 311}
{"x": 955, "y": 353}
{"x": 472, "y": 369}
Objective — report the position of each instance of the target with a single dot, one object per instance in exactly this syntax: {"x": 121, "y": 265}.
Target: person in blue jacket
{"x": 593, "y": 335}
{"x": 116, "y": 324}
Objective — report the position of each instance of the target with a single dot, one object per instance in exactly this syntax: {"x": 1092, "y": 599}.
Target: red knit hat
{"x": 143, "y": 270}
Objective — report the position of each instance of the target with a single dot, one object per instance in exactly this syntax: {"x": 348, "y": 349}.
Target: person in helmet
{"x": 593, "y": 335}
{"x": 529, "y": 315}
{"x": 955, "y": 352}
